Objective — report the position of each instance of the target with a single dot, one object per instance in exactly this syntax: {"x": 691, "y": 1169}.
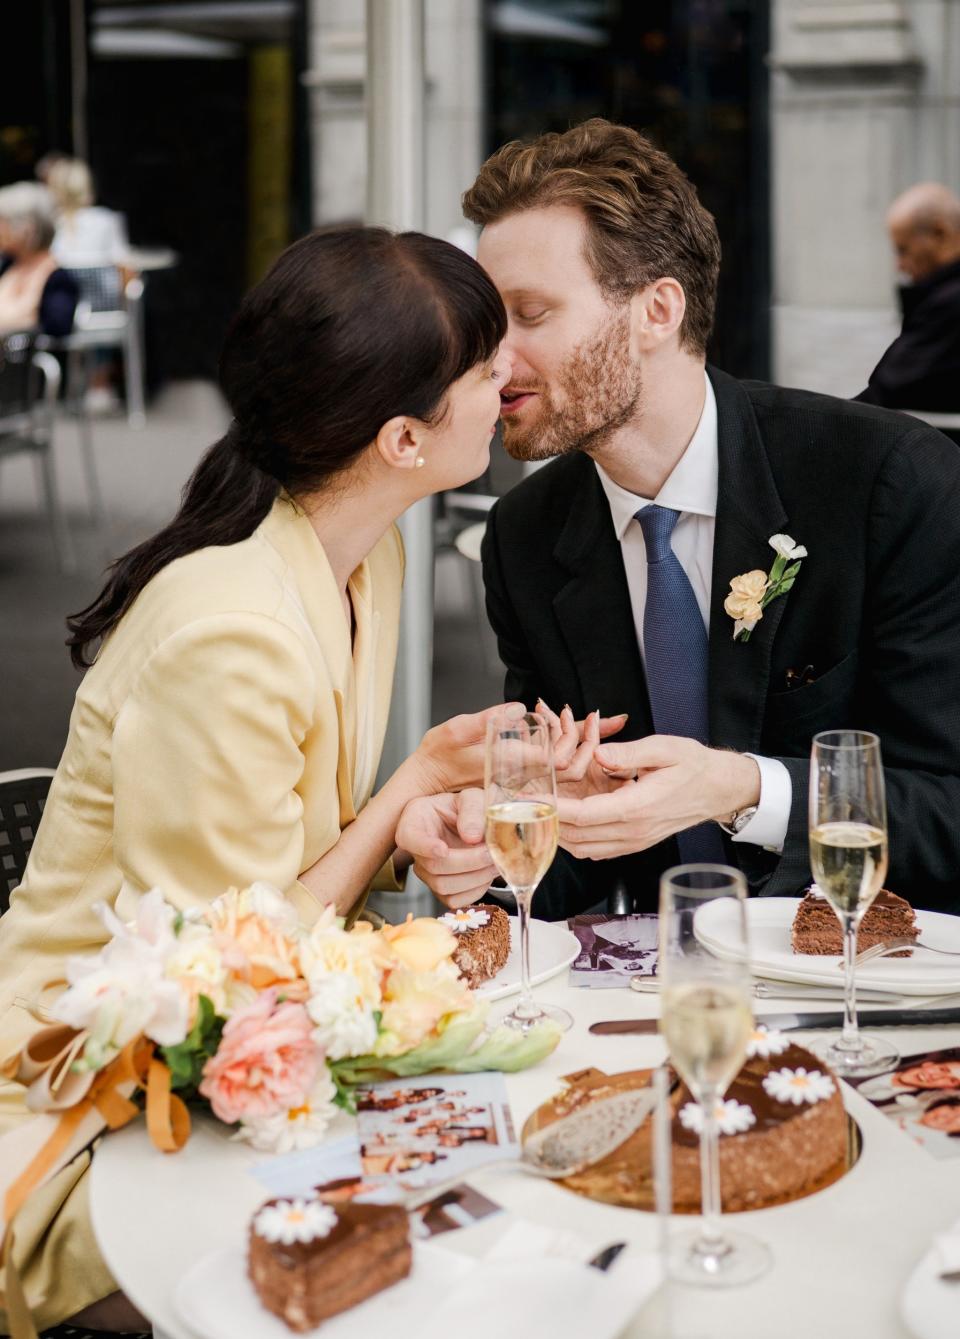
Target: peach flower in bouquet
{"x": 258, "y": 934}
{"x": 266, "y": 1062}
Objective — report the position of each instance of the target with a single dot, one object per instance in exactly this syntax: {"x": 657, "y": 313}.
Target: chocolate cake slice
{"x": 483, "y": 940}
{"x": 309, "y": 1261}
{"x": 816, "y": 926}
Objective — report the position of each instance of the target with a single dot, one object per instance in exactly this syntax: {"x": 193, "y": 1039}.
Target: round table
{"x": 841, "y": 1257}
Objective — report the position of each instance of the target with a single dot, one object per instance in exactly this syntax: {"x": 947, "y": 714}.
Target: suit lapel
{"x": 749, "y": 511}
{"x": 593, "y": 610}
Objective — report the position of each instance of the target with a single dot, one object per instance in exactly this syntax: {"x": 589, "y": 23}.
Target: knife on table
{"x": 815, "y": 1022}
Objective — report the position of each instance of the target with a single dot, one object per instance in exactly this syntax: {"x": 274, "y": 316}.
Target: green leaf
{"x": 776, "y": 571}
{"x": 187, "y": 1059}
{"x": 792, "y": 570}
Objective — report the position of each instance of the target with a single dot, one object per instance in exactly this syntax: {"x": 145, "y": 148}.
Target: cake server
{"x": 813, "y": 1021}
{"x": 566, "y": 1146}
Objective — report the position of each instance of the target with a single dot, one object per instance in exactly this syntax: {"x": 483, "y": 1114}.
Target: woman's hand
{"x": 574, "y": 745}
{"x": 451, "y": 754}
{"x": 444, "y": 835}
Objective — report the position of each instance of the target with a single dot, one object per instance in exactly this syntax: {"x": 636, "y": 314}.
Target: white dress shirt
{"x": 691, "y": 490}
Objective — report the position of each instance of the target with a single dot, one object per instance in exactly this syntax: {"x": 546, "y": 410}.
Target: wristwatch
{"x": 738, "y": 820}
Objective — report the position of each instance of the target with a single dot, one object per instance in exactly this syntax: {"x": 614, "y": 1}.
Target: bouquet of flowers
{"x": 239, "y": 1007}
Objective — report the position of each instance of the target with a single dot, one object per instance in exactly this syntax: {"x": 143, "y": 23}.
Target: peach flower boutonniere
{"x": 751, "y": 592}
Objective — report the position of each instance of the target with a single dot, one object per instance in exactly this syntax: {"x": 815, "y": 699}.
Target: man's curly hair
{"x": 644, "y": 219}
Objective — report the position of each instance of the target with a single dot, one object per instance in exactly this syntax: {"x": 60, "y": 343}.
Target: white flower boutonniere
{"x": 751, "y": 592}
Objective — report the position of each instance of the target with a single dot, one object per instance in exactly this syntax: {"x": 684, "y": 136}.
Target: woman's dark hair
{"x": 351, "y": 327}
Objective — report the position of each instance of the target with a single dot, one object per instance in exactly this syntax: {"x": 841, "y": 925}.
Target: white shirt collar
{"x": 691, "y": 486}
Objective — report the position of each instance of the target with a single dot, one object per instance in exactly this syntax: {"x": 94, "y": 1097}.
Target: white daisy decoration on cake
{"x": 468, "y": 918}
{"x": 765, "y": 1043}
{"x": 797, "y": 1086}
{"x": 288, "y": 1221}
{"x": 732, "y": 1117}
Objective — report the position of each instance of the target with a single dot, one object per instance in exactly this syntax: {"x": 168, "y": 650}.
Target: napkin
{"x": 535, "y": 1280}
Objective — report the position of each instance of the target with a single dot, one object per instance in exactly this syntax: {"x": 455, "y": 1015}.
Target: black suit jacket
{"x": 921, "y": 368}
{"x": 872, "y": 623}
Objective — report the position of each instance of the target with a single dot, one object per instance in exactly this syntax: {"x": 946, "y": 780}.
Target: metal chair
{"x": 29, "y": 386}
{"x": 23, "y": 795}
{"x": 109, "y": 316}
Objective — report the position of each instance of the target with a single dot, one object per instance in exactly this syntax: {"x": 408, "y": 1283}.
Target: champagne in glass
{"x": 706, "y": 1019}
{"x": 848, "y": 856}
{"x": 521, "y": 833}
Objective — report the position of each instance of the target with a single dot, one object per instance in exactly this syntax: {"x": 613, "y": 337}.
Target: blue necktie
{"x": 675, "y": 651}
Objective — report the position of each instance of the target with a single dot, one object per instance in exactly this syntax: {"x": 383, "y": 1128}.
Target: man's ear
{"x": 399, "y": 442}
{"x": 656, "y": 314}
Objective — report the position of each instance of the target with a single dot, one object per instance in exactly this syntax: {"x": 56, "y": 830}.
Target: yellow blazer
{"x": 227, "y": 733}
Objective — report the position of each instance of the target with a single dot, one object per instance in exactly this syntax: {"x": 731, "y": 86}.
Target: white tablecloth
{"x": 842, "y": 1257}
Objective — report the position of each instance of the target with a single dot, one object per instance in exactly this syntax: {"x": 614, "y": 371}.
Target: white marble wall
{"x": 454, "y": 112}
{"x": 865, "y": 100}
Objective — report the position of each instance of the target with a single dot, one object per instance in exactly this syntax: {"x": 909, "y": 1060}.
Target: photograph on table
{"x": 460, "y": 1206}
{"x": 434, "y": 1129}
{"x": 922, "y": 1097}
{"x": 613, "y": 949}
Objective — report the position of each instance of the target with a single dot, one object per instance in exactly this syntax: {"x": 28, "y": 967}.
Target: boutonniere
{"x": 753, "y": 591}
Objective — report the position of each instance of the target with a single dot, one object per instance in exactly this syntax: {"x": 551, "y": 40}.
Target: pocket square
{"x": 799, "y": 678}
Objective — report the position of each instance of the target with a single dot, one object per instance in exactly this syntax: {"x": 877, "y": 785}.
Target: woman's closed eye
{"x": 530, "y": 316}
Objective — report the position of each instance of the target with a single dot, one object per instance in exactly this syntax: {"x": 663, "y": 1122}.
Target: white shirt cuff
{"x": 768, "y": 826}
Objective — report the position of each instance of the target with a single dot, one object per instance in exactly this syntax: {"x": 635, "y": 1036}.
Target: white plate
{"x": 552, "y": 948}
{"x": 929, "y": 1306}
{"x": 770, "y": 919}
{"x": 217, "y": 1300}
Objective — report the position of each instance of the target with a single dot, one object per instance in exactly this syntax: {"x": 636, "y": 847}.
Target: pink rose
{"x": 266, "y": 1062}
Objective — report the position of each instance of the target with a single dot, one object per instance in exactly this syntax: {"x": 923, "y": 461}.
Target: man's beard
{"x": 600, "y": 393}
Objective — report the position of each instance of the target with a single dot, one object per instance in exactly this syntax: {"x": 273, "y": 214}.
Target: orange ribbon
{"x": 168, "y": 1124}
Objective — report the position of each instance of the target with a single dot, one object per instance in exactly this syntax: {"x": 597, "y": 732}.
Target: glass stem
{"x": 850, "y": 1036}
{"x": 527, "y": 1007}
{"x": 711, "y": 1237}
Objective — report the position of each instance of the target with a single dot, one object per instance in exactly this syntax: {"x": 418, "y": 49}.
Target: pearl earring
{"x": 419, "y": 462}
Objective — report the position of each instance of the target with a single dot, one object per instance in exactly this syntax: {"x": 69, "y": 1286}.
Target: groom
{"x": 618, "y": 575}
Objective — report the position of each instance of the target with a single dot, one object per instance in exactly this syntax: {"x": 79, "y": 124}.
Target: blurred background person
{"x": 921, "y": 368}
{"x": 34, "y": 291}
{"x": 87, "y": 234}
{"x": 91, "y": 237}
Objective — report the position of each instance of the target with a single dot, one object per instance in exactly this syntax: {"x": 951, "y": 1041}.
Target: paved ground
{"x": 141, "y": 476}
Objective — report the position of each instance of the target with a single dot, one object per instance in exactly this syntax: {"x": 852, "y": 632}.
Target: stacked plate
{"x": 770, "y": 919}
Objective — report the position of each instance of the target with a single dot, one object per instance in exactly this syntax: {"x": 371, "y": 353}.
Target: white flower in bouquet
{"x": 197, "y": 963}
{"x": 300, "y": 1127}
{"x": 123, "y": 990}
{"x": 360, "y": 953}
{"x": 345, "y": 1023}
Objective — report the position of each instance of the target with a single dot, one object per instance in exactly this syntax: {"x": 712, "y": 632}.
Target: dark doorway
{"x": 691, "y": 74}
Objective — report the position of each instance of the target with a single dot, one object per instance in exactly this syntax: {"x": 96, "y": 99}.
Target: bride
{"x": 240, "y": 661}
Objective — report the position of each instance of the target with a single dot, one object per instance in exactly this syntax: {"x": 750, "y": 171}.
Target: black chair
{"x": 22, "y": 797}
{"x": 29, "y": 385}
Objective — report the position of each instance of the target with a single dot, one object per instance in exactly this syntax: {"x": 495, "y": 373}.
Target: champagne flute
{"x": 848, "y": 855}
{"x": 521, "y": 833}
{"x": 706, "y": 1019}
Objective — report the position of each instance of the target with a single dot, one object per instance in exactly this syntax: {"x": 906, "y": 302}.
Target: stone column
{"x": 864, "y": 103}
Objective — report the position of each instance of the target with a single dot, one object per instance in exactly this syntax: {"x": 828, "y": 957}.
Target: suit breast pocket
{"x": 822, "y": 699}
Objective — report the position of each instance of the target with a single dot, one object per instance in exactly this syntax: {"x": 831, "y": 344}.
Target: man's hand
{"x": 662, "y": 785}
{"x": 444, "y": 834}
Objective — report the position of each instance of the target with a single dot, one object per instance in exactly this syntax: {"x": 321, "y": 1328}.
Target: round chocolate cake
{"x": 783, "y": 1133}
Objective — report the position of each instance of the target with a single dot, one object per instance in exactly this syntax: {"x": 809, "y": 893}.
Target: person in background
{"x": 34, "y": 291}
{"x": 91, "y": 237}
{"x": 921, "y": 368}
{"x": 87, "y": 234}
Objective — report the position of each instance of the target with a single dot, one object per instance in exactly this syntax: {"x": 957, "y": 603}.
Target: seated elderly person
{"x": 34, "y": 292}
